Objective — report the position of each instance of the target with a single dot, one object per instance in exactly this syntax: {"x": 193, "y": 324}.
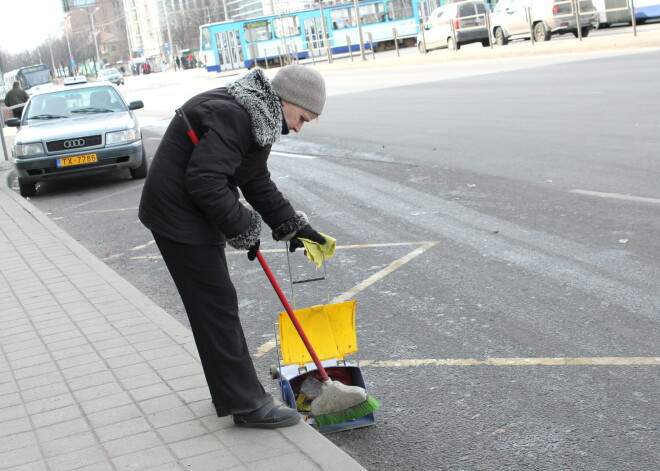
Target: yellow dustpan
{"x": 330, "y": 328}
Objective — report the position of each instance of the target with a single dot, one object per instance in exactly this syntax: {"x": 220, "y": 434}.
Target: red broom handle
{"x": 292, "y": 316}
{"x": 189, "y": 130}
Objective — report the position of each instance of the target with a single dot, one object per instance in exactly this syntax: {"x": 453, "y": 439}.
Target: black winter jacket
{"x": 191, "y": 192}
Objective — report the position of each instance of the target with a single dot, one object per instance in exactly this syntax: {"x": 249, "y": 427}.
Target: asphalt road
{"x": 469, "y": 243}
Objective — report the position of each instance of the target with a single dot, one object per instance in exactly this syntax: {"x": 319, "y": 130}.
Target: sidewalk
{"x": 94, "y": 376}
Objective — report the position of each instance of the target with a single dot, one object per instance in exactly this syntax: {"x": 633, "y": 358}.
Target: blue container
{"x": 292, "y": 378}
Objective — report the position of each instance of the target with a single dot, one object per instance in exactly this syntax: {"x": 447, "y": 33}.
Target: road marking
{"x": 639, "y": 199}
{"x": 105, "y": 210}
{"x": 108, "y": 196}
{"x": 265, "y": 348}
{"x": 549, "y": 361}
{"x": 382, "y": 273}
{"x": 140, "y": 247}
{"x": 295, "y": 156}
{"x": 339, "y": 247}
{"x": 543, "y": 361}
{"x": 110, "y": 257}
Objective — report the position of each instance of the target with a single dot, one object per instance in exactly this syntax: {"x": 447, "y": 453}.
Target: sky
{"x": 27, "y": 23}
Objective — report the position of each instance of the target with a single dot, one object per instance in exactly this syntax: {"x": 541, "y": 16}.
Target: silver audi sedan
{"x": 79, "y": 129}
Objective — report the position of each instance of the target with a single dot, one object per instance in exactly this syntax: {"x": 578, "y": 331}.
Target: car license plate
{"x": 77, "y": 160}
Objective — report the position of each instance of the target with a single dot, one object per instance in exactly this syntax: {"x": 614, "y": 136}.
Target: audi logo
{"x": 70, "y": 144}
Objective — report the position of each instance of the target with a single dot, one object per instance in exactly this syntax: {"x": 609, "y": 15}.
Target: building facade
{"x": 154, "y": 30}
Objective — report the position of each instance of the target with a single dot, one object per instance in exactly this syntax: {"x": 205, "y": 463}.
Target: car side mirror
{"x": 13, "y": 122}
{"x": 135, "y": 105}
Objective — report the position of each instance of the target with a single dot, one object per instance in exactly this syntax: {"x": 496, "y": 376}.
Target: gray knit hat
{"x": 302, "y": 86}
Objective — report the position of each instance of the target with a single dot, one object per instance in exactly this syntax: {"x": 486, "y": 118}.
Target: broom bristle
{"x": 360, "y": 410}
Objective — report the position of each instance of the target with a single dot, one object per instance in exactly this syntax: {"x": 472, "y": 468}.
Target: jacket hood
{"x": 254, "y": 93}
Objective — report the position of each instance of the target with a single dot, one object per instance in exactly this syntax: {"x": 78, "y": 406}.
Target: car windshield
{"x": 74, "y": 102}
{"x": 105, "y": 72}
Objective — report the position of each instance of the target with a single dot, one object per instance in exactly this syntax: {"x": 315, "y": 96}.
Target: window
{"x": 342, "y": 18}
{"x": 287, "y": 26}
{"x": 399, "y": 9}
{"x": 206, "y": 39}
{"x": 257, "y": 31}
{"x": 465, "y": 10}
{"x": 374, "y": 13}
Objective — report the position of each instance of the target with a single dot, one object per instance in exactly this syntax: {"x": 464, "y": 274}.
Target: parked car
{"x": 453, "y": 25}
{"x": 80, "y": 129}
{"x": 111, "y": 75}
{"x": 510, "y": 20}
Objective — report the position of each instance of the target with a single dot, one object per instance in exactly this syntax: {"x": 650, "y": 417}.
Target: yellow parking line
{"x": 339, "y": 247}
{"x": 382, "y": 273}
{"x": 548, "y": 361}
{"x": 265, "y": 348}
{"x": 105, "y": 210}
{"x": 344, "y": 247}
{"x": 108, "y": 196}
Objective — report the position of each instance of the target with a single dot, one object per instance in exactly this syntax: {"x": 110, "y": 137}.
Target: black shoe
{"x": 269, "y": 416}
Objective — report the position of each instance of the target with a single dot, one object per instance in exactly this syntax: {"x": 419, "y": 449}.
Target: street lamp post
{"x": 96, "y": 44}
{"x": 68, "y": 45}
{"x": 169, "y": 34}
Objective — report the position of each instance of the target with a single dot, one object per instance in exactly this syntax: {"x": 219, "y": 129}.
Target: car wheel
{"x": 452, "y": 44}
{"x": 141, "y": 171}
{"x": 541, "y": 33}
{"x": 27, "y": 189}
{"x": 585, "y": 31}
{"x": 422, "y": 47}
{"x": 500, "y": 38}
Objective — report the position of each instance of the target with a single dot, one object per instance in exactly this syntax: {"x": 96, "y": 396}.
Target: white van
{"x": 453, "y": 25}
{"x": 610, "y": 12}
{"x": 510, "y": 20}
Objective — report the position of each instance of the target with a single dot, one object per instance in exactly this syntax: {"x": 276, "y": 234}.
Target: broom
{"x": 337, "y": 403}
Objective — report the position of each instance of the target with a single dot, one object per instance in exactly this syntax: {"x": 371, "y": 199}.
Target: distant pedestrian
{"x": 16, "y": 96}
{"x": 178, "y": 63}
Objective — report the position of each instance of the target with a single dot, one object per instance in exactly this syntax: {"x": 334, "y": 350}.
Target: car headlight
{"x": 28, "y": 150}
{"x": 119, "y": 137}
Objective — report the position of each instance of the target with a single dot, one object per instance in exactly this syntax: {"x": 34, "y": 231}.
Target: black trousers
{"x": 202, "y": 278}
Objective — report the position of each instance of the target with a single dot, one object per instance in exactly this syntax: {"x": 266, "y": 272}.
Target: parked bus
{"x": 646, "y": 10}
{"x": 299, "y": 35}
{"x": 31, "y": 78}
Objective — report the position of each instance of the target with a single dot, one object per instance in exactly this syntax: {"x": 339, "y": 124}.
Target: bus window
{"x": 286, "y": 27}
{"x": 342, "y": 18}
{"x": 400, "y": 9}
{"x": 206, "y": 39}
{"x": 257, "y": 31}
{"x": 374, "y": 13}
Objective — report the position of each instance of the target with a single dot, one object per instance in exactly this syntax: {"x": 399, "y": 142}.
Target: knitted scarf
{"x": 254, "y": 93}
